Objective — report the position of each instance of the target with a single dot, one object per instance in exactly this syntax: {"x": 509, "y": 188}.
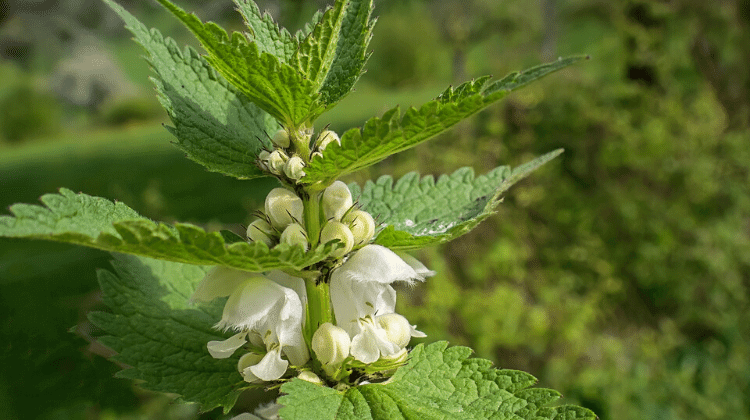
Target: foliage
{"x": 271, "y": 80}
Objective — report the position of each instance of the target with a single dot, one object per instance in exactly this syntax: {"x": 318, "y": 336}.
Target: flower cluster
{"x": 285, "y": 161}
{"x": 268, "y": 312}
{"x": 282, "y": 220}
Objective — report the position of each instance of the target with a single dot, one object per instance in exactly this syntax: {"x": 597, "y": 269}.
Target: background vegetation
{"x": 618, "y": 274}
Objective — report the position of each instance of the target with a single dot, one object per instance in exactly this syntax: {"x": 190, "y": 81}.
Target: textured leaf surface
{"x": 99, "y": 223}
{"x": 393, "y": 132}
{"x": 265, "y": 33}
{"x": 318, "y": 48}
{"x": 274, "y": 86}
{"x": 351, "y": 51}
{"x": 214, "y": 124}
{"x": 159, "y": 337}
{"x": 438, "y": 383}
{"x": 416, "y": 212}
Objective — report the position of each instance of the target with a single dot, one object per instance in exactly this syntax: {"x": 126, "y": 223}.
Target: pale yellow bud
{"x": 294, "y": 234}
{"x": 263, "y": 159}
{"x": 294, "y": 168}
{"x": 281, "y": 138}
{"x": 337, "y": 230}
{"x": 283, "y": 207}
{"x": 361, "y": 224}
{"x": 337, "y": 199}
{"x": 276, "y": 162}
{"x": 260, "y": 231}
{"x": 331, "y": 344}
{"x": 325, "y": 138}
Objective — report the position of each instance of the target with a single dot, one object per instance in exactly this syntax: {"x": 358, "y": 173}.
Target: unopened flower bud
{"x": 263, "y": 158}
{"x": 294, "y": 234}
{"x": 325, "y": 138}
{"x": 281, "y": 138}
{"x": 337, "y": 199}
{"x": 331, "y": 344}
{"x": 308, "y": 376}
{"x": 260, "y": 231}
{"x": 276, "y": 162}
{"x": 337, "y": 230}
{"x": 361, "y": 224}
{"x": 283, "y": 207}
{"x": 397, "y": 328}
{"x": 294, "y": 168}
{"x": 244, "y": 364}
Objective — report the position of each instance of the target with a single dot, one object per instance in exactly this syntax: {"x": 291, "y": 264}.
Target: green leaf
{"x": 438, "y": 383}
{"x": 265, "y": 33}
{"x": 318, "y": 48}
{"x": 419, "y": 212}
{"x": 160, "y": 337}
{"x": 274, "y": 86}
{"x": 350, "y": 51}
{"x": 99, "y": 223}
{"x": 393, "y": 132}
{"x": 214, "y": 124}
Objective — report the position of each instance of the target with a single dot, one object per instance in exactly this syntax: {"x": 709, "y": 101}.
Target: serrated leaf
{"x": 317, "y": 50}
{"x": 438, "y": 383}
{"x": 160, "y": 337}
{"x": 215, "y": 125}
{"x": 393, "y": 132}
{"x": 351, "y": 52}
{"x": 99, "y": 223}
{"x": 274, "y": 86}
{"x": 265, "y": 33}
{"x": 417, "y": 212}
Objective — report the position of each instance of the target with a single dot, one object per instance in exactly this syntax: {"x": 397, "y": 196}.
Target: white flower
{"x": 265, "y": 312}
{"x": 361, "y": 293}
{"x": 274, "y": 312}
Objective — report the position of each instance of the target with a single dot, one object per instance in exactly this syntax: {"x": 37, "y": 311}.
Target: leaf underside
{"x": 160, "y": 337}
{"x": 438, "y": 383}
{"x": 112, "y": 226}
{"x": 416, "y": 212}
{"x": 394, "y": 132}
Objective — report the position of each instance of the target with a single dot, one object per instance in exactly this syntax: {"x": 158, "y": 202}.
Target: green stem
{"x": 318, "y": 307}
{"x": 318, "y": 296}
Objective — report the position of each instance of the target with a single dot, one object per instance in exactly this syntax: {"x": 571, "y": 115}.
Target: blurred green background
{"x": 617, "y": 274}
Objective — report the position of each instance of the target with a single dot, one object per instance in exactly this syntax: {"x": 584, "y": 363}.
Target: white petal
{"x": 225, "y": 348}
{"x": 353, "y": 300}
{"x": 219, "y": 282}
{"x": 417, "y": 333}
{"x": 375, "y": 263}
{"x": 372, "y": 342}
{"x": 295, "y": 283}
{"x": 243, "y": 365}
{"x": 416, "y": 265}
{"x": 271, "y": 367}
{"x": 257, "y": 303}
{"x": 273, "y": 311}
